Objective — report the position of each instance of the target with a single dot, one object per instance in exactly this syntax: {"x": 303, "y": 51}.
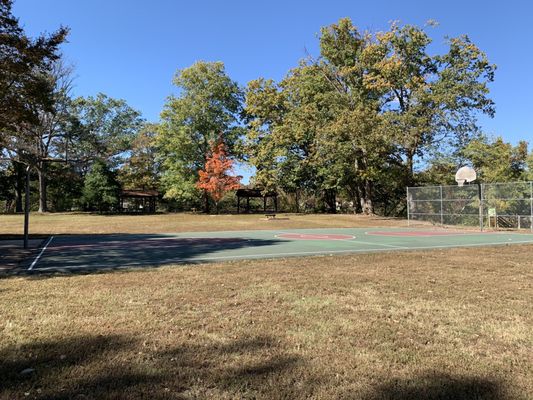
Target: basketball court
{"x": 79, "y": 253}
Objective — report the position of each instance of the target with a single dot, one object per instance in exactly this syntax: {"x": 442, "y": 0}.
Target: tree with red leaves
{"x": 215, "y": 178}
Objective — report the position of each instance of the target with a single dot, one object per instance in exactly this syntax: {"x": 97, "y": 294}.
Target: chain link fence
{"x": 490, "y": 205}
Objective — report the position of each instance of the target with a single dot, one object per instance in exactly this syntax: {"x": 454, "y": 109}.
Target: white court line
{"x": 40, "y": 254}
{"x": 303, "y": 253}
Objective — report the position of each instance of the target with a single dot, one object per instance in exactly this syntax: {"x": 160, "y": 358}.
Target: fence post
{"x": 531, "y": 205}
{"x": 480, "y": 194}
{"x": 408, "y": 208}
{"x": 441, "y": 212}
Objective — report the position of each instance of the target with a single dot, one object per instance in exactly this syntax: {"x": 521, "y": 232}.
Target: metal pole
{"x": 480, "y": 195}
{"x": 441, "y": 212}
{"x": 531, "y": 206}
{"x": 27, "y": 208}
{"x": 408, "y": 210}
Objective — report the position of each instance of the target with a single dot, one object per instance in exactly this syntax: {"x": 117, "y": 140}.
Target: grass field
{"x": 446, "y": 324}
{"x": 78, "y": 223}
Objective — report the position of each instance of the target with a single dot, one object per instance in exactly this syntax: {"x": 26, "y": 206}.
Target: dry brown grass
{"x": 74, "y": 223}
{"x": 454, "y": 324}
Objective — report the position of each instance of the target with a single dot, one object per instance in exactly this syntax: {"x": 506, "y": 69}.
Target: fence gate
{"x": 489, "y": 205}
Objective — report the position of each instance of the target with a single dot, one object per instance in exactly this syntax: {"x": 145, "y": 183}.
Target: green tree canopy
{"x": 362, "y": 112}
{"x": 101, "y": 188}
{"x": 141, "y": 170}
{"x": 497, "y": 161}
{"x": 529, "y": 173}
{"x": 207, "y": 109}
{"x": 23, "y": 65}
{"x": 102, "y": 128}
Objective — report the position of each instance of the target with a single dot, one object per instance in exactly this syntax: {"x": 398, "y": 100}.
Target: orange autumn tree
{"x": 215, "y": 178}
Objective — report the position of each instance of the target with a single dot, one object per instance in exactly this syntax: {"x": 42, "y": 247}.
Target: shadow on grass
{"x": 114, "y": 367}
{"x": 62, "y": 369}
{"x": 441, "y": 387}
{"x": 119, "y": 367}
{"x": 244, "y": 366}
{"x": 83, "y": 254}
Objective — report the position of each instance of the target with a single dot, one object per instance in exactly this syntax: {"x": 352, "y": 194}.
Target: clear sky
{"x": 130, "y": 49}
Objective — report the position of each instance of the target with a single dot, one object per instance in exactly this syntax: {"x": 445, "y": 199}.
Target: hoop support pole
{"x": 531, "y": 206}
{"x": 408, "y": 208}
{"x": 480, "y": 195}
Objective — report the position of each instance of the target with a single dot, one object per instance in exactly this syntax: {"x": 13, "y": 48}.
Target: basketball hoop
{"x": 465, "y": 175}
{"x": 468, "y": 175}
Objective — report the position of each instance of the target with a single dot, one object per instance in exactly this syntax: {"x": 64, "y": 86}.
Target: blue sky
{"x": 130, "y": 49}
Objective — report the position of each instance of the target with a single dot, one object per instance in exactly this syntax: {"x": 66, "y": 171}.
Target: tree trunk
{"x": 206, "y": 202}
{"x": 353, "y": 195}
{"x": 41, "y": 173}
{"x": 364, "y": 189}
{"x": 330, "y": 199}
{"x": 365, "y": 196}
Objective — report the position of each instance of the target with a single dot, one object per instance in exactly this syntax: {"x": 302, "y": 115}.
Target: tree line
{"x": 372, "y": 113}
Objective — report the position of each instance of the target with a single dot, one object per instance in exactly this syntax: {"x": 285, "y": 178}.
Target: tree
{"x": 440, "y": 171}
{"x": 7, "y": 182}
{"x": 208, "y": 106}
{"x": 142, "y": 168}
{"x": 497, "y": 161}
{"x": 361, "y": 150}
{"x": 21, "y": 60}
{"x": 101, "y": 188}
{"x": 357, "y": 118}
{"x": 215, "y": 178}
{"x": 65, "y": 186}
{"x": 264, "y": 111}
{"x": 25, "y": 87}
{"x": 283, "y": 121}
{"x": 529, "y": 174}
{"x": 320, "y": 128}
{"x": 44, "y": 139}
{"x": 102, "y": 128}
{"x": 428, "y": 101}
{"x": 493, "y": 159}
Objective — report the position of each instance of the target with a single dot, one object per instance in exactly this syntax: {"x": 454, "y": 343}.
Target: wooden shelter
{"x": 138, "y": 200}
{"x": 256, "y": 193}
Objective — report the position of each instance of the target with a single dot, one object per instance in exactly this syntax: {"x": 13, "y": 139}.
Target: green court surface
{"x": 78, "y": 253}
